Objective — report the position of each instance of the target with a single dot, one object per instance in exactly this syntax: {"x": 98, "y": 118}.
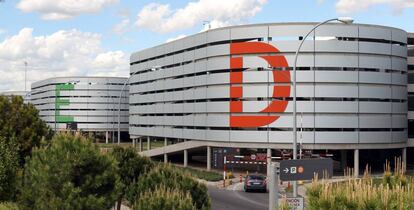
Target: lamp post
{"x": 346, "y": 20}
{"x": 119, "y": 109}
{"x": 154, "y": 68}
{"x": 25, "y": 75}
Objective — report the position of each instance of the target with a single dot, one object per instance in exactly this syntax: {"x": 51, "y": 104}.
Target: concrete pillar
{"x": 106, "y": 137}
{"x": 208, "y": 158}
{"x": 356, "y": 162}
{"x": 165, "y": 154}
{"x": 343, "y": 159}
{"x": 404, "y": 157}
{"x": 185, "y": 158}
{"x": 141, "y": 145}
{"x": 268, "y": 161}
{"x": 133, "y": 143}
{"x": 148, "y": 143}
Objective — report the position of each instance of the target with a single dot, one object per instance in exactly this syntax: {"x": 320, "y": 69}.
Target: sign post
{"x": 305, "y": 169}
{"x": 274, "y": 186}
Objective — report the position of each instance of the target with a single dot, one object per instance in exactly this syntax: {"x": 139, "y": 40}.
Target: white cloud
{"x": 175, "y": 38}
{"x": 352, "y": 6}
{"x": 215, "y": 24}
{"x": 162, "y": 19}
{"x": 63, "y": 9}
{"x": 121, "y": 27}
{"x": 63, "y": 53}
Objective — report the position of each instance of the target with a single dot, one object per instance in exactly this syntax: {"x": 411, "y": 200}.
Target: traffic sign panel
{"x": 305, "y": 169}
{"x": 295, "y": 203}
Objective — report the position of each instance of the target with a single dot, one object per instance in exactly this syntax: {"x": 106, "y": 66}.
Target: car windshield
{"x": 257, "y": 177}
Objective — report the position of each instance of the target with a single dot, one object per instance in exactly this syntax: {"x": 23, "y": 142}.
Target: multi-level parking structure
{"x": 231, "y": 87}
{"x": 410, "y": 88}
{"x": 86, "y": 104}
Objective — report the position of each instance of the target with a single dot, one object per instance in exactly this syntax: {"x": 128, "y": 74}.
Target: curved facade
{"x": 24, "y": 94}
{"x": 81, "y": 103}
{"x": 233, "y": 85}
{"x": 411, "y": 89}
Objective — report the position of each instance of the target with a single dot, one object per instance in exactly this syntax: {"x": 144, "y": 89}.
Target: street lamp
{"x": 119, "y": 109}
{"x": 25, "y": 75}
{"x": 154, "y": 68}
{"x": 345, "y": 20}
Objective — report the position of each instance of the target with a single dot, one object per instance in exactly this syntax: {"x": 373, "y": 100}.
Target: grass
{"x": 395, "y": 190}
{"x": 202, "y": 174}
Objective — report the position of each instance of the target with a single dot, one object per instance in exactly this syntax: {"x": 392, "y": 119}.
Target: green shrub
{"x": 284, "y": 205}
{"x": 130, "y": 167}
{"x": 395, "y": 191}
{"x": 8, "y": 206}
{"x": 171, "y": 178}
{"x": 202, "y": 174}
{"x": 70, "y": 173}
{"x": 163, "y": 198}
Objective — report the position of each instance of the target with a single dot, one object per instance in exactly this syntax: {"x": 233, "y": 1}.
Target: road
{"x": 236, "y": 199}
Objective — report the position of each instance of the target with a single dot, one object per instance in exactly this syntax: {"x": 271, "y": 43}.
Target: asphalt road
{"x": 236, "y": 199}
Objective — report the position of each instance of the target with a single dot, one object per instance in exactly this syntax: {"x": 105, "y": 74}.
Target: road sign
{"x": 295, "y": 203}
{"x": 305, "y": 169}
{"x": 253, "y": 157}
{"x": 73, "y": 126}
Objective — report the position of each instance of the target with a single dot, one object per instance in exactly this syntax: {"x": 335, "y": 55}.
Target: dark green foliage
{"x": 171, "y": 178}
{"x": 130, "y": 167}
{"x": 70, "y": 174}
{"x": 163, "y": 198}
{"x": 8, "y": 169}
{"x": 21, "y": 122}
{"x": 8, "y": 206}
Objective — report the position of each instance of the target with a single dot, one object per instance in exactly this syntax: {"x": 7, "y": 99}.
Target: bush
{"x": 8, "y": 169}
{"x": 70, "y": 173}
{"x": 395, "y": 192}
{"x": 130, "y": 167}
{"x": 163, "y": 198}
{"x": 8, "y": 206}
{"x": 202, "y": 174}
{"x": 171, "y": 178}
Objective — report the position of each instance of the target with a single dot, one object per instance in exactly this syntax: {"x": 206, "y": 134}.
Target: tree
{"x": 8, "y": 169}
{"x": 130, "y": 167}
{"x": 171, "y": 178}
{"x": 70, "y": 173}
{"x": 21, "y": 122}
{"x": 163, "y": 198}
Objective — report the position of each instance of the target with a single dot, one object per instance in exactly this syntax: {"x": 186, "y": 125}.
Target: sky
{"x": 96, "y": 37}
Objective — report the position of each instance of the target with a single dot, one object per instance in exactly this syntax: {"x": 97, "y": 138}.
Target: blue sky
{"x": 75, "y": 37}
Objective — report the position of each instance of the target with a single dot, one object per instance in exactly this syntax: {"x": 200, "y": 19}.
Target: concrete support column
{"x": 208, "y": 158}
{"x": 106, "y": 137}
{"x": 268, "y": 161}
{"x": 404, "y": 157}
{"x": 165, "y": 154}
{"x": 185, "y": 158}
{"x": 343, "y": 159}
{"x": 148, "y": 143}
{"x": 356, "y": 162}
{"x": 141, "y": 145}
